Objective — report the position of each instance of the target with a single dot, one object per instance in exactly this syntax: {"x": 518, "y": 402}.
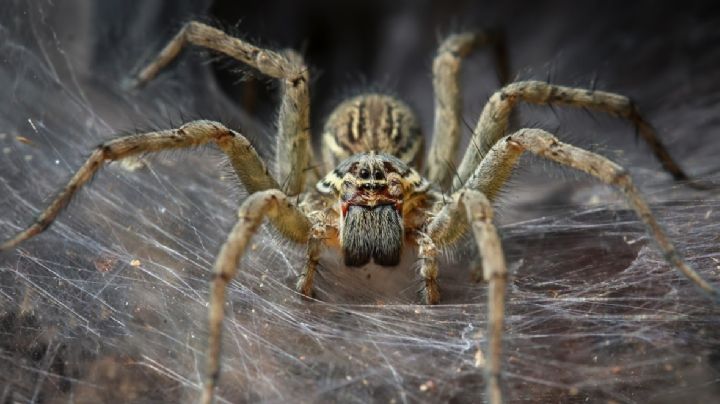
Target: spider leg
{"x": 537, "y": 141}
{"x": 448, "y": 99}
{"x": 248, "y": 166}
{"x": 274, "y": 205}
{"x": 293, "y": 151}
{"x": 427, "y": 254}
{"x": 470, "y": 207}
{"x": 316, "y": 238}
{"x": 493, "y": 122}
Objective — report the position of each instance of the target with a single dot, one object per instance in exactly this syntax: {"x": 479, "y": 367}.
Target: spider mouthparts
{"x": 372, "y": 232}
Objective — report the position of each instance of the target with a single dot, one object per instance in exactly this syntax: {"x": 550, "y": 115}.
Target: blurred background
{"x": 110, "y": 304}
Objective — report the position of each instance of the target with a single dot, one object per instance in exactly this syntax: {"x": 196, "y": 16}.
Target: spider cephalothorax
{"x": 375, "y": 193}
{"x": 374, "y": 203}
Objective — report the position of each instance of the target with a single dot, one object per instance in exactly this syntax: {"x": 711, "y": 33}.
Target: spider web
{"x": 110, "y": 304}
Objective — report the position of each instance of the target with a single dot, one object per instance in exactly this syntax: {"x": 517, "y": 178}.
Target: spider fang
{"x": 372, "y": 232}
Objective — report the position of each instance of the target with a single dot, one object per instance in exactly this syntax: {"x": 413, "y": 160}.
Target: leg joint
{"x": 193, "y": 26}
{"x": 671, "y": 256}
{"x": 495, "y": 275}
{"x": 222, "y": 276}
{"x": 621, "y": 177}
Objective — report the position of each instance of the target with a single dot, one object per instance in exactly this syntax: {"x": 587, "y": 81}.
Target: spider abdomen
{"x": 372, "y": 122}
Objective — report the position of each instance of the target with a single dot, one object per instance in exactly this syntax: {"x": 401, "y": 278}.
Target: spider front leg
{"x": 317, "y": 236}
{"x": 427, "y": 254}
{"x": 493, "y": 123}
{"x": 472, "y": 207}
{"x": 248, "y": 166}
{"x": 506, "y": 152}
{"x": 293, "y": 151}
{"x": 294, "y": 225}
{"x": 448, "y": 99}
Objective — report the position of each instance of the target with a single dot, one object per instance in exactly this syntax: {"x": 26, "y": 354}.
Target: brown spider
{"x": 373, "y": 203}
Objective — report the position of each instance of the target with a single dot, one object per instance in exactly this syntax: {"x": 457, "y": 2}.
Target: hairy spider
{"x": 373, "y": 204}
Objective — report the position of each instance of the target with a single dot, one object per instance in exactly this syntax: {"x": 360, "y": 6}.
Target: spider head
{"x": 371, "y": 191}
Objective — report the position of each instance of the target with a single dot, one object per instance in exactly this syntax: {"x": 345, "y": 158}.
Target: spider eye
{"x": 379, "y": 175}
{"x": 364, "y": 173}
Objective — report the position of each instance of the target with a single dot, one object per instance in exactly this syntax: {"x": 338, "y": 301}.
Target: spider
{"x": 375, "y": 203}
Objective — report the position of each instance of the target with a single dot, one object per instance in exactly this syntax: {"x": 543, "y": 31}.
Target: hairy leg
{"x": 470, "y": 207}
{"x": 248, "y": 166}
{"x": 317, "y": 236}
{"x": 448, "y": 98}
{"x": 293, "y": 151}
{"x": 427, "y": 254}
{"x": 493, "y": 122}
{"x": 272, "y": 204}
{"x": 542, "y": 143}
{"x": 479, "y": 214}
